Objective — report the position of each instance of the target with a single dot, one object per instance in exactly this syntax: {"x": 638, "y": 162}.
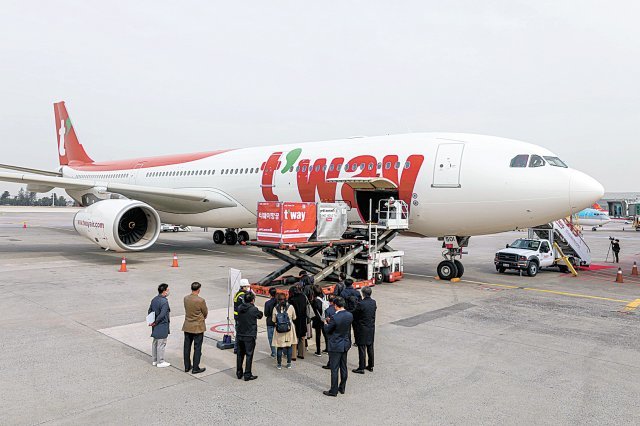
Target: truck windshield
{"x": 525, "y": 244}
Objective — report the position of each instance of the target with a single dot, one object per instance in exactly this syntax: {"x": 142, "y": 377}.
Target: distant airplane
{"x": 456, "y": 185}
{"x": 591, "y": 217}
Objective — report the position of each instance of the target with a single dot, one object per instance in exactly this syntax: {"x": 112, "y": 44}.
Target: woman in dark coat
{"x": 299, "y": 303}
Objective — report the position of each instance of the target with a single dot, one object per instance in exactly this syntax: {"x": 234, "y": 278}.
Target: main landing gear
{"x": 451, "y": 267}
{"x": 230, "y": 236}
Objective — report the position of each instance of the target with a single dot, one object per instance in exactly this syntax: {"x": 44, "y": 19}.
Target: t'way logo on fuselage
{"x": 311, "y": 178}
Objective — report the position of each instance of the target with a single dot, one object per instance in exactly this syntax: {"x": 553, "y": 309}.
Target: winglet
{"x": 70, "y": 150}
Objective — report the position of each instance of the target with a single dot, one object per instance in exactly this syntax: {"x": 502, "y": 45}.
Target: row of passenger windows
{"x": 522, "y": 160}
{"x": 251, "y": 170}
{"x": 348, "y": 167}
{"x": 104, "y": 176}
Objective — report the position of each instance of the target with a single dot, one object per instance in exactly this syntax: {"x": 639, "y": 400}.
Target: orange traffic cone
{"x": 24, "y": 225}
{"x": 175, "y": 261}
{"x": 619, "y": 276}
{"x": 123, "y": 265}
{"x": 634, "y": 270}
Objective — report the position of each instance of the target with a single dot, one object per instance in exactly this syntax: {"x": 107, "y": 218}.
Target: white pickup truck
{"x": 527, "y": 254}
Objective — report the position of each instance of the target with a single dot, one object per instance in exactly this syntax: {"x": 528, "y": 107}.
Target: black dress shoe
{"x": 198, "y": 370}
{"x": 186, "y": 369}
{"x": 341, "y": 391}
{"x": 370, "y": 369}
{"x": 238, "y": 375}
{"x": 357, "y": 370}
{"x": 326, "y": 367}
{"x": 325, "y": 351}
{"x": 252, "y": 377}
{"x": 329, "y": 393}
{"x": 301, "y": 357}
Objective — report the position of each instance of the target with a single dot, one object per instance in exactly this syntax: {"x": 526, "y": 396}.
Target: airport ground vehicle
{"x": 527, "y": 255}
{"x": 558, "y": 243}
{"x": 168, "y": 227}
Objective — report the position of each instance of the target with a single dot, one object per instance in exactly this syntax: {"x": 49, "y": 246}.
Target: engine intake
{"x": 119, "y": 225}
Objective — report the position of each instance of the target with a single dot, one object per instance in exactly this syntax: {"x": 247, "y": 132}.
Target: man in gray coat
{"x": 160, "y": 327}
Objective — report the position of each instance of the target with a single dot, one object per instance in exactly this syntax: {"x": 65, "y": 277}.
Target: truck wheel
{"x": 500, "y": 269}
{"x": 447, "y": 270}
{"x": 532, "y": 269}
{"x": 460, "y": 268}
{"x": 218, "y": 237}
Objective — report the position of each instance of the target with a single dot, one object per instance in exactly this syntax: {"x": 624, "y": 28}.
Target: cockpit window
{"x": 555, "y": 161}
{"x": 519, "y": 161}
{"x": 536, "y": 161}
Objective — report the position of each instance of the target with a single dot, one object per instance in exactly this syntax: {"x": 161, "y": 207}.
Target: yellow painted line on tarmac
{"x": 632, "y": 306}
{"x": 541, "y": 290}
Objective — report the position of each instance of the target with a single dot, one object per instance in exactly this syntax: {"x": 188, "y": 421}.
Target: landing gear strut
{"x": 451, "y": 267}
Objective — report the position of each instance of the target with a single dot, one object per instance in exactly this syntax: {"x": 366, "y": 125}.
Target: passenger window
{"x": 362, "y": 166}
{"x": 407, "y": 165}
{"x": 536, "y": 161}
{"x": 397, "y": 165}
{"x": 246, "y": 170}
{"x": 338, "y": 167}
{"x": 354, "y": 167}
{"x": 290, "y": 169}
{"x": 318, "y": 168}
{"x": 387, "y": 165}
{"x": 297, "y": 168}
{"x": 324, "y": 168}
{"x": 370, "y": 166}
{"x": 519, "y": 161}
{"x": 379, "y": 166}
{"x": 304, "y": 169}
{"x": 331, "y": 167}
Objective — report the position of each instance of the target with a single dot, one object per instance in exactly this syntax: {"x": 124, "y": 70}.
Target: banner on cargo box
{"x": 298, "y": 222}
{"x": 332, "y": 221}
{"x": 269, "y": 222}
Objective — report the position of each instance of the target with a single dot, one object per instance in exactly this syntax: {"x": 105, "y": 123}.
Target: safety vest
{"x": 236, "y": 302}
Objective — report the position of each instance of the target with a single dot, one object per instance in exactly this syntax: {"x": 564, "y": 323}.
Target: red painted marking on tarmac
{"x": 595, "y": 267}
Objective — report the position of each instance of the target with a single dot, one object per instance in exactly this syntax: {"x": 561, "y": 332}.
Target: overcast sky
{"x": 153, "y": 77}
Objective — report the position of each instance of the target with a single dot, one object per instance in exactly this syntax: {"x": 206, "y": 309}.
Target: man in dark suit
{"x": 246, "y": 333}
{"x": 338, "y": 328}
{"x": 364, "y": 318}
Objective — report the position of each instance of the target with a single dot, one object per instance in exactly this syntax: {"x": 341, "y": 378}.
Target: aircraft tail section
{"x": 70, "y": 150}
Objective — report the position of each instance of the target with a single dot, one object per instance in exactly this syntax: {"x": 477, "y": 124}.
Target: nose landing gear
{"x": 451, "y": 267}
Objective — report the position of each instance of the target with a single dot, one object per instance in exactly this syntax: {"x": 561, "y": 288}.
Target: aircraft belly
{"x": 230, "y": 217}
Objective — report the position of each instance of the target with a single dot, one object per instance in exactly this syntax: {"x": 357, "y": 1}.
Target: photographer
{"x": 615, "y": 247}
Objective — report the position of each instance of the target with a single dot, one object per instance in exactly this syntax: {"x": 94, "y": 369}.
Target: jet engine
{"x": 119, "y": 225}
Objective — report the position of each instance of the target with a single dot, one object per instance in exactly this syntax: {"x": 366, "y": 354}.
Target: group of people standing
{"x": 291, "y": 323}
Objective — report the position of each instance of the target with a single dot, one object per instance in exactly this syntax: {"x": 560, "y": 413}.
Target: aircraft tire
{"x": 447, "y": 270}
{"x": 218, "y": 237}
{"x": 243, "y": 236}
{"x": 231, "y": 238}
{"x": 460, "y": 268}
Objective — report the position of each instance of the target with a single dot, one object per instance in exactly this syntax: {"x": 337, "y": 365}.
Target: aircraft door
{"x": 446, "y": 170}
{"x": 133, "y": 175}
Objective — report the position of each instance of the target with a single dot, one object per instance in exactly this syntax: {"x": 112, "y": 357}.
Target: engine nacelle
{"x": 119, "y": 225}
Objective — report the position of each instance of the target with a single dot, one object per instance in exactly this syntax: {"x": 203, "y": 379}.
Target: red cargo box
{"x": 286, "y": 222}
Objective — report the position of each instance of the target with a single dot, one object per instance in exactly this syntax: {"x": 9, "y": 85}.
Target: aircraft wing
{"x": 169, "y": 200}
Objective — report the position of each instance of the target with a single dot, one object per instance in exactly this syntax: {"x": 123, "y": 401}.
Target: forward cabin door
{"x": 446, "y": 170}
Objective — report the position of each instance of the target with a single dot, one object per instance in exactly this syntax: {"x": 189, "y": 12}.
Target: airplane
{"x": 591, "y": 217}
{"x": 456, "y": 186}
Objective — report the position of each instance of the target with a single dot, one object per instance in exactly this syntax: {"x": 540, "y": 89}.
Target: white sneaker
{"x": 153, "y": 363}
{"x": 163, "y": 364}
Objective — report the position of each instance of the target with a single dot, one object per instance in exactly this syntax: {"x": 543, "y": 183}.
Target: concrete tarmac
{"x": 493, "y": 348}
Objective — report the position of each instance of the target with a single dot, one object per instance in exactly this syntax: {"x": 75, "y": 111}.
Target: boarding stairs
{"x": 568, "y": 237}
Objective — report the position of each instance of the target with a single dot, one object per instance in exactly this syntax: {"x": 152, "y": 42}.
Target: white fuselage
{"x": 455, "y": 184}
